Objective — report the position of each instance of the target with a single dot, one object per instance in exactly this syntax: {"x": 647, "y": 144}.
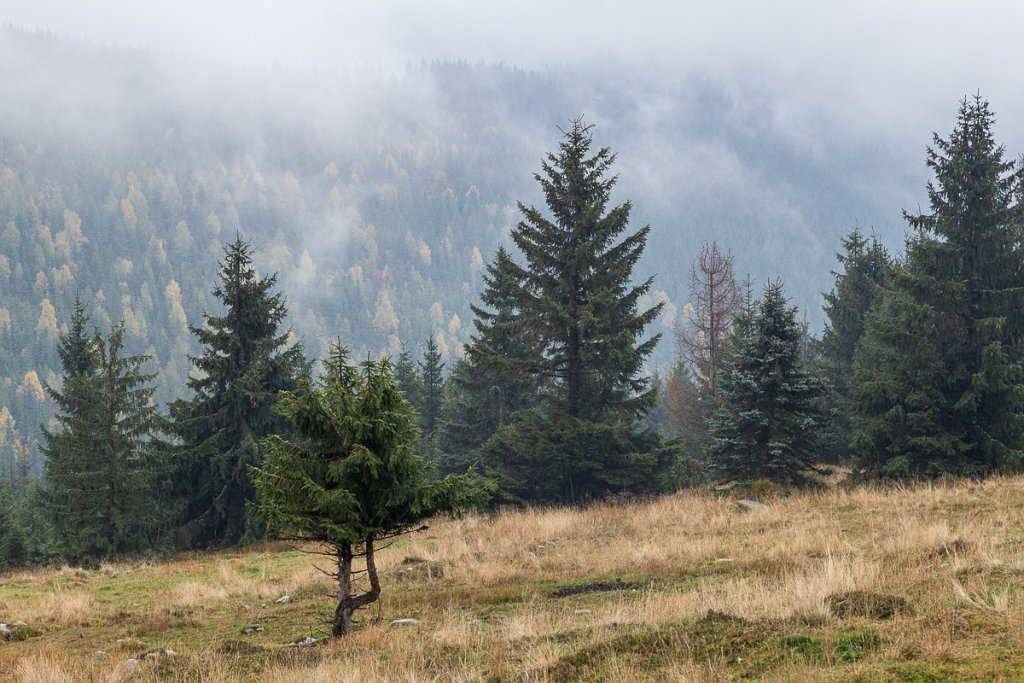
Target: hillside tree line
{"x": 918, "y": 374}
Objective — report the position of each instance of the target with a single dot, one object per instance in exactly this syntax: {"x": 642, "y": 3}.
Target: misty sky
{"x": 864, "y": 61}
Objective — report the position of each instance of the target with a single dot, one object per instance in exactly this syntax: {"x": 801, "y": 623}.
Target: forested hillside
{"x": 377, "y": 198}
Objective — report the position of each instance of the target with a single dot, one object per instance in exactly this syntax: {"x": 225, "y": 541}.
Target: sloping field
{"x": 915, "y": 584}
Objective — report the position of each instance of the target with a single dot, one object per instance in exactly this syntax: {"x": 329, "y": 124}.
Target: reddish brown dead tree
{"x": 701, "y": 336}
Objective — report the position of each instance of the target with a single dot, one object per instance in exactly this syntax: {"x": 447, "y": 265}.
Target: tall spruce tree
{"x": 858, "y": 288}
{"x": 766, "y": 425}
{"x": 938, "y": 380}
{"x": 246, "y": 360}
{"x": 100, "y": 463}
{"x": 578, "y": 311}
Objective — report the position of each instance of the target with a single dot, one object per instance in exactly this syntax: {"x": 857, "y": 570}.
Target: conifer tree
{"x": 100, "y": 464}
{"x": 13, "y": 543}
{"x": 493, "y": 382}
{"x": 766, "y": 425}
{"x": 938, "y": 381}
{"x": 408, "y": 378}
{"x": 246, "y": 360}
{"x": 353, "y": 480}
{"x": 432, "y": 382}
{"x": 858, "y": 288}
{"x": 578, "y": 311}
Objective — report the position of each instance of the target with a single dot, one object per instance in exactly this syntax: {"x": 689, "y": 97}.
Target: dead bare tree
{"x": 701, "y": 336}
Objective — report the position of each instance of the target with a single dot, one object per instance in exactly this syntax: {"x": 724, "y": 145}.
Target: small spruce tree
{"x": 767, "y": 424}
{"x": 432, "y": 381}
{"x": 408, "y": 378}
{"x": 353, "y": 480}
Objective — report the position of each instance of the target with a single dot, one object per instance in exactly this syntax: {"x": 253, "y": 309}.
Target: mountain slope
{"x": 377, "y": 197}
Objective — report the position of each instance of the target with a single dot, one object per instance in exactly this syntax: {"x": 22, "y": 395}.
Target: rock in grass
{"x": 308, "y": 641}
{"x": 131, "y": 663}
{"x": 100, "y": 654}
{"x": 583, "y": 611}
{"x": 747, "y": 505}
{"x": 19, "y": 630}
{"x": 398, "y": 623}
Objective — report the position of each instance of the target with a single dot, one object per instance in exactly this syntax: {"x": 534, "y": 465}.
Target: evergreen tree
{"x": 857, "y": 289}
{"x": 246, "y": 360}
{"x": 432, "y": 382}
{"x": 13, "y": 541}
{"x": 492, "y": 383}
{"x": 576, "y": 309}
{"x": 354, "y": 480}
{"x": 767, "y": 424}
{"x": 99, "y": 465}
{"x": 408, "y": 378}
{"x": 938, "y": 380}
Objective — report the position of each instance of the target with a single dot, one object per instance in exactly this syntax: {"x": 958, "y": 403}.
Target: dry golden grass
{"x": 713, "y": 593}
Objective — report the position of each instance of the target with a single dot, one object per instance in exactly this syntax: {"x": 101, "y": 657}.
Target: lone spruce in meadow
{"x": 353, "y": 478}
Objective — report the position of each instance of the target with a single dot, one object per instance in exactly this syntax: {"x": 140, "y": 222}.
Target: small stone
{"x": 152, "y": 655}
{"x": 100, "y": 654}
{"x": 397, "y": 623}
{"x": 750, "y": 505}
{"x": 131, "y": 663}
{"x": 304, "y": 642}
{"x": 583, "y": 611}
{"x": 284, "y": 600}
{"x": 168, "y": 653}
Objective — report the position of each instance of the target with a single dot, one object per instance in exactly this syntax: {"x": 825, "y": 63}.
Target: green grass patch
{"x": 852, "y": 647}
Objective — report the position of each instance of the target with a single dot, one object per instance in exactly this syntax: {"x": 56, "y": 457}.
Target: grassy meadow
{"x": 868, "y": 584}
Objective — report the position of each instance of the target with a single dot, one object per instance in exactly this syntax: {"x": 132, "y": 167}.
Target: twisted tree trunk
{"x": 347, "y": 602}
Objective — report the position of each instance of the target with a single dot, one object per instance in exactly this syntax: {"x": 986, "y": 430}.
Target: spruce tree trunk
{"x": 343, "y": 613}
{"x": 348, "y": 603}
